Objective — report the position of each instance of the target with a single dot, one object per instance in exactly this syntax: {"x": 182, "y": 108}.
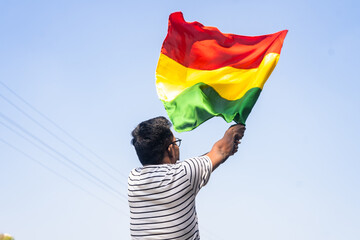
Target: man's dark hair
{"x": 151, "y": 138}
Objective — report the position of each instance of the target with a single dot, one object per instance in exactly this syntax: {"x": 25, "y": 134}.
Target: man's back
{"x": 162, "y": 199}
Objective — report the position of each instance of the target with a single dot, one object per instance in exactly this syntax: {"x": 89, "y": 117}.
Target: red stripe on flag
{"x": 205, "y": 48}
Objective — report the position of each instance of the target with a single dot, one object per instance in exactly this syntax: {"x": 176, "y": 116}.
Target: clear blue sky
{"x": 89, "y": 66}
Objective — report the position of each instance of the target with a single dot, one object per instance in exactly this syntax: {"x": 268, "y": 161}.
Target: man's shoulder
{"x": 168, "y": 168}
{"x": 203, "y": 158}
{"x": 155, "y": 176}
{"x": 159, "y": 169}
{"x": 198, "y": 163}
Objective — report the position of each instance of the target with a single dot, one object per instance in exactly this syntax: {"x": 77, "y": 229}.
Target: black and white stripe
{"x": 162, "y": 199}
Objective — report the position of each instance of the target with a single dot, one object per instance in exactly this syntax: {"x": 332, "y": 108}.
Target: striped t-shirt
{"x": 162, "y": 199}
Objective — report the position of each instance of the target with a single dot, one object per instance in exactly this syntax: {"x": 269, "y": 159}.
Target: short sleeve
{"x": 198, "y": 170}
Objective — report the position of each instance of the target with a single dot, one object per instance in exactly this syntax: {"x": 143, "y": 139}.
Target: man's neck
{"x": 166, "y": 160}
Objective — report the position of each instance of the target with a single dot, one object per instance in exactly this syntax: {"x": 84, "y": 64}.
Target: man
{"x": 162, "y": 192}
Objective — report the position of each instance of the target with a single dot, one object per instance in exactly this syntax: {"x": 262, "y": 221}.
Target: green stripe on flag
{"x": 201, "y": 102}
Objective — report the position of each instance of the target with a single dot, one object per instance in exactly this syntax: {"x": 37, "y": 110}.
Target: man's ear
{"x": 170, "y": 150}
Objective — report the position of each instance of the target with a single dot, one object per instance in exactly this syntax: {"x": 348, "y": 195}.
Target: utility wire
{"x": 63, "y": 177}
{"x": 55, "y": 157}
{"x": 60, "y": 140}
{"x": 61, "y": 155}
{"x": 62, "y": 130}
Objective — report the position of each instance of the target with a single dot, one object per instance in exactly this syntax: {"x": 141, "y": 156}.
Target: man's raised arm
{"x": 226, "y": 146}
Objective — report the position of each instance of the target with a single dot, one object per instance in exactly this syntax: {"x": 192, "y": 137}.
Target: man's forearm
{"x": 219, "y": 153}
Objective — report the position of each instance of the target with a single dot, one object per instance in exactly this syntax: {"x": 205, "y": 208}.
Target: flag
{"x": 204, "y": 73}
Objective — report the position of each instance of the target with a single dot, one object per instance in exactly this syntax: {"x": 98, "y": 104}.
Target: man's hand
{"x": 238, "y": 131}
{"x": 227, "y": 146}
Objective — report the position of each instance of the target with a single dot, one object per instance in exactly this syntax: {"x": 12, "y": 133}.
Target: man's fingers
{"x": 239, "y": 135}
{"x": 240, "y": 132}
{"x": 235, "y": 149}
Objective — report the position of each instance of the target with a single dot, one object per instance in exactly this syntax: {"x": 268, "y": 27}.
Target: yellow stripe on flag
{"x": 231, "y": 83}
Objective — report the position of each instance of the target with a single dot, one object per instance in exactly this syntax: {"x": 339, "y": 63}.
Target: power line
{"x": 62, "y": 156}
{"x": 61, "y": 129}
{"x": 62, "y": 176}
{"x": 82, "y": 171}
{"x": 55, "y": 157}
{"x": 59, "y": 139}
